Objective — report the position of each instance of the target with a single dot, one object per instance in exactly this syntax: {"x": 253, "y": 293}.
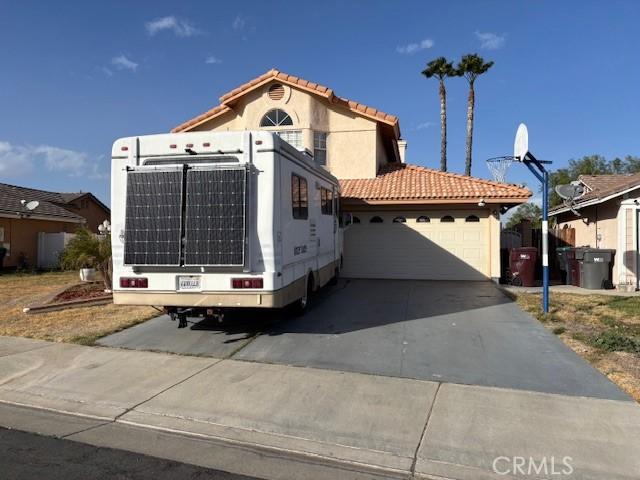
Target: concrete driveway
{"x": 457, "y": 332}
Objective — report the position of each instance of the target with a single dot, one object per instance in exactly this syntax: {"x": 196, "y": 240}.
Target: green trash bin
{"x": 595, "y": 270}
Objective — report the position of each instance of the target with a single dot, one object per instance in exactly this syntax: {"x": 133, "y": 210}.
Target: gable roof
{"x": 601, "y": 188}
{"x": 228, "y": 99}
{"x": 403, "y": 182}
{"x": 52, "y": 204}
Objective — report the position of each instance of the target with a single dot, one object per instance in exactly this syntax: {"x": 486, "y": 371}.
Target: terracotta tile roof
{"x": 410, "y": 182}
{"x": 229, "y": 98}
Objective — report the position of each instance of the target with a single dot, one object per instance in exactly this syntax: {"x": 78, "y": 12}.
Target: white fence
{"x": 50, "y": 245}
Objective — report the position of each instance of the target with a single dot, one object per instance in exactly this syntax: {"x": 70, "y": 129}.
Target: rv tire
{"x": 302, "y": 305}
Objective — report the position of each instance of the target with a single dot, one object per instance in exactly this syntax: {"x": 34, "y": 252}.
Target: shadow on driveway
{"x": 459, "y": 332}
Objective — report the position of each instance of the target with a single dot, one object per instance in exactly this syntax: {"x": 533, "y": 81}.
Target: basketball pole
{"x": 537, "y": 168}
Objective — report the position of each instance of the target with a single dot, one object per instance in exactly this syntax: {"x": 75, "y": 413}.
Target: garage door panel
{"x": 412, "y": 250}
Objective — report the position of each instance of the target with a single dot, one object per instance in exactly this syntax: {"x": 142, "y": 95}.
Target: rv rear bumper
{"x": 276, "y": 299}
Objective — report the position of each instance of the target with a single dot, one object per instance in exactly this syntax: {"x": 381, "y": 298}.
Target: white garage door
{"x": 441, "y": 245}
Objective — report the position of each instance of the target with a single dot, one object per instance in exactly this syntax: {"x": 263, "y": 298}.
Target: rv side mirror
{"x": 346, "y": 219}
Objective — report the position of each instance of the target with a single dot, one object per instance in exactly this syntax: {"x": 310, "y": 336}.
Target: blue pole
{"x": 545, "y": 241}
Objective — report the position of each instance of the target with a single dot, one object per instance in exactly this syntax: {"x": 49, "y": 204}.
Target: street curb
{"x": 203, "y": 450}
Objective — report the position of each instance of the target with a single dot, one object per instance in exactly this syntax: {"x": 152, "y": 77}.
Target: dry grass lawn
{"x": 77, "y": 325}
{"x": 604, "y": 330}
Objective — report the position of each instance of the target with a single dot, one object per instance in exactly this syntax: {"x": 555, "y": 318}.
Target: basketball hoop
{"x": 498, "y": 167}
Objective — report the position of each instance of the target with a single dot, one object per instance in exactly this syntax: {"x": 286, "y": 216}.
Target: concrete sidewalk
{"x": 277, "y": 421}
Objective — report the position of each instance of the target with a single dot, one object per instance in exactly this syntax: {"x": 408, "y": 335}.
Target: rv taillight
{"x": 173, "y": 145}
{"x": 206, "y": 144}
{"x": 135, "y": 282}
{"x": 124, "y": 149}
{"x": 258, "y": 142}
{"x": 247, "y": 283}
{"x": 189, "y": 145}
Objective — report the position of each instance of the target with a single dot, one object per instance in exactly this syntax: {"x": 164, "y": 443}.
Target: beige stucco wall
{"x": 354, "y": 143}
{"x": 21, "y": 235}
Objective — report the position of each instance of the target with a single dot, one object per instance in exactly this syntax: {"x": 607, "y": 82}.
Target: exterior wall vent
{"x": 276, "y": 92}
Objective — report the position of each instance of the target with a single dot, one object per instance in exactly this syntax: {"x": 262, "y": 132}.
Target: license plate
{"x": 190, "y": 282}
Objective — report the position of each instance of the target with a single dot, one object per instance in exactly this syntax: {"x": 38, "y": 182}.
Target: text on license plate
{"x": 189, "y": 283}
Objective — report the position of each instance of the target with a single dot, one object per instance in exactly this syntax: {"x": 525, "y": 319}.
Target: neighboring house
{"x": 606, "y": 216}
{"x": 55, "y": 213}
{"x": 411, "y": 222}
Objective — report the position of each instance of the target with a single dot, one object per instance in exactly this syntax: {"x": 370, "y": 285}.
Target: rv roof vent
{"x": 276, "y": 92}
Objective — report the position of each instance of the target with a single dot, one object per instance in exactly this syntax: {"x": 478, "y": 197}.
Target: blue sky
{"x": 77, "y": 75}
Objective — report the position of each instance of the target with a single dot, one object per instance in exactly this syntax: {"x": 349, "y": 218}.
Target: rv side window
{"x": 299, "y": 197}
{"x": 326, "y": 201}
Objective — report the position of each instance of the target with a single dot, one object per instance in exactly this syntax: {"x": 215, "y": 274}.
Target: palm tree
{"x": 471, "y": 66}
{"x": 441, "y": 69}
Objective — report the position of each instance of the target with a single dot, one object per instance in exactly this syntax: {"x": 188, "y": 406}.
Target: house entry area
{"x": 418, "y": 245}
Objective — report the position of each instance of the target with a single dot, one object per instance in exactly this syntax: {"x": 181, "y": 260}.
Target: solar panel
{"x": 153, "y": 218}
{"x": 214, "y": 217}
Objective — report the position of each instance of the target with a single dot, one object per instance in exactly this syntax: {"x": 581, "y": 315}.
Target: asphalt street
{"x": 27, "y": 456}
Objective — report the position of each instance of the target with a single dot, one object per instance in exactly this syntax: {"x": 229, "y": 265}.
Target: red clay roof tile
{"x": 411, "y": 182}
{"x": 229, "y": 97}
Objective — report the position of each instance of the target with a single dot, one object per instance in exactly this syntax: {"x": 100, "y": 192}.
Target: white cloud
{"x": 491, "y": 41}
{"x": 239, "y": 22}
{"x": 415, "y": 47}
{"x": 424, "y": 125}
{"x": 212, "y": 60}
{"x": 121, "y": 62}
{"x": 107, "y": 71}
{"x": 21, "y": 160}
{"x": 181, "y": 28}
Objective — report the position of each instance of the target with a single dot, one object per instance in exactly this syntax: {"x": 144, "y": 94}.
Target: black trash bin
{"x": 563, "y": 254}
{"x": 595, "y": 268}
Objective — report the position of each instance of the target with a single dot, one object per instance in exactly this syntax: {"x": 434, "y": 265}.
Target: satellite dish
{"x": 521, "y": 143}
{"x": 570, "y": 191}
{"x": 32, "y": 205}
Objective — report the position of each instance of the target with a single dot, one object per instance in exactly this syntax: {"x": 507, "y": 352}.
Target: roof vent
{"x": 276, "y": 91}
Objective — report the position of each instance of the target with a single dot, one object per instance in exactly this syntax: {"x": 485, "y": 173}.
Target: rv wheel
{"x": 302, "y": 305}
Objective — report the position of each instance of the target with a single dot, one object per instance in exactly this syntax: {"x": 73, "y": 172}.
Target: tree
{"x": 87, "y": 250}
{"x": 526, "y": 211}
{"x": 471, "y": 67}
{"x": 440, "y": 68}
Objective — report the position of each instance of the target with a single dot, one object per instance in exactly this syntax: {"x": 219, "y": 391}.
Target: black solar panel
{"x": 153, "y": 218}
{"x": 214, "y": 217}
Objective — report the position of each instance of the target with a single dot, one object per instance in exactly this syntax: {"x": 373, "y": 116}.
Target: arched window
{"x": 399, "y": 219}
{"x": 447, "y": 219}
{"x": 472, "y": 218}
{"x": 276, "y": 118}
{"x": 423, "y": 219}
{"x": 375, "y": 219}
{"x": 356, "y": 219}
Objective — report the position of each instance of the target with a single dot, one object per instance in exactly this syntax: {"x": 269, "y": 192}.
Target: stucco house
{"x": 607, "y": 216}
{"x": 55, "y": 213}
{"x": 409, "y": 221}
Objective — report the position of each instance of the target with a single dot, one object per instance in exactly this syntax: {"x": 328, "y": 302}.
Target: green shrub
{"x": 615, "y": 341}
{"x": 86, "y": 250}
{"x": 559, "y": 330}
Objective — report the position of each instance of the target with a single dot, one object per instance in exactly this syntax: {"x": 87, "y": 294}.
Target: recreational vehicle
{"x": 206, "y": 221}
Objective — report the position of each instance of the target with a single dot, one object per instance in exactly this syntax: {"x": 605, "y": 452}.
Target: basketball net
{"x": 499, "y": 166}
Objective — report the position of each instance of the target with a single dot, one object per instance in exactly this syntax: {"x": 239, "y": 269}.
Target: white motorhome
{"x": 205, "y": 221}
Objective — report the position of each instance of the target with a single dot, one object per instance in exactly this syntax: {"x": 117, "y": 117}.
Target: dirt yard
{"x": 78, "y": 325}
{"x": 602, "y": 329}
